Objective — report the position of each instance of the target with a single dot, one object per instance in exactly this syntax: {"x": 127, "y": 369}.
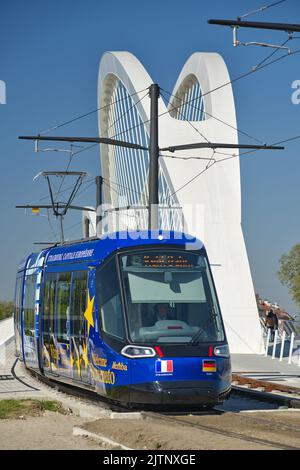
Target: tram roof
{"x": 97, "y": 249}
{"x": 100, "y": 248}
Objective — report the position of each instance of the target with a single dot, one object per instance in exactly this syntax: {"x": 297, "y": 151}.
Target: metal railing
{"x": 282, "y": 338}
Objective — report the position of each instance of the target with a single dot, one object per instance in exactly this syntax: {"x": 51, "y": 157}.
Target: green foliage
{"x": 51, "y": 405}
{"x": 289, "y": 272}
{"x": 6, "y": 309}
{"x": 10, "y": 408}
{"x": 16, "y": 409}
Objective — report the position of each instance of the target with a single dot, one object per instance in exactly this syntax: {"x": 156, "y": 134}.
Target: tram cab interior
{"x": 169, "y": 297}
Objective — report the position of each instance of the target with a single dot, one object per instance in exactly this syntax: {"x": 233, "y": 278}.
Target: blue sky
{"x": 49, "y": 56}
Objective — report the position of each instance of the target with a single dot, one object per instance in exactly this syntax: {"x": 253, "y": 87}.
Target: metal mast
{"x": 153, "y": 214}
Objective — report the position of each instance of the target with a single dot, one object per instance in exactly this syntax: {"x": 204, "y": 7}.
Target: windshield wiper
{"x": 194, "y": 339}
{"x": 197, "y": 336}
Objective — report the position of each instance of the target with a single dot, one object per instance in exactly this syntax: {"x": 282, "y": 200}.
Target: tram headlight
{"x": 222, "y": 351}
{"x": 135, "y": 352}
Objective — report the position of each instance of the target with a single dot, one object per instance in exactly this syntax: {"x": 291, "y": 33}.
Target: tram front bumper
{"x": 180, "y": 393}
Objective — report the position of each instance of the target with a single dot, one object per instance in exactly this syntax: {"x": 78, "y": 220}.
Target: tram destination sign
{"x": 163, "y": 260}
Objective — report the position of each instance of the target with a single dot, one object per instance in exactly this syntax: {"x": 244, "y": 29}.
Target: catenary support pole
{"x": 86, "y": 227}
{"x": 62, "y": 238}
{"x": 99, "y": 184}
{"x": 153, "y": 157}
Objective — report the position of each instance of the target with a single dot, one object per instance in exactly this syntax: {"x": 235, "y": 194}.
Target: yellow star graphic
{"x": 84, "y": 355}
{"x": 78, "y": 361}
{"x": 88, "y": 314}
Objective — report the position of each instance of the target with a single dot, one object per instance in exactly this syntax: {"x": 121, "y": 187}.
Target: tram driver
{"x": 162, "y": 311}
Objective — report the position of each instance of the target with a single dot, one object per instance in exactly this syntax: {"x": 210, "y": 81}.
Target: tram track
{"x": 16, "y": 377}
{"x": 275, "y": 424}
{"x": 89, "y": 396}
{"x": 223, "y": 432}
{"x": 190, "y": 419}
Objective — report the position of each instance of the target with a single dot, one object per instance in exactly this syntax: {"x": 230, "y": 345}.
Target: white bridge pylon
{"x": 210, "y": 205}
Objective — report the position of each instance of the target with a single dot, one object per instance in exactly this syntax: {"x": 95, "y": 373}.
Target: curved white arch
{"x": 215, "y": 196}
{"x": 123, "y": 67}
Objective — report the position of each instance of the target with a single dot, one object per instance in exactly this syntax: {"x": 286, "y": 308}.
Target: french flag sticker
{"x": 164, "y": 367}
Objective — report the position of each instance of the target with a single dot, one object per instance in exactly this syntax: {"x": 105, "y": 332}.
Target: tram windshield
{"x": 170, "y": 297}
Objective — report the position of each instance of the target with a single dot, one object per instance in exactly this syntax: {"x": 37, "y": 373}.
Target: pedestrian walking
{"x": 271, "y": 323}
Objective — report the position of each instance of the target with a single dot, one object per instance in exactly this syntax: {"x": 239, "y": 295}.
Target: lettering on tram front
{"x": 119, "y": 366}
{"x": 105, "y": 376}
{"x": 99, "y": 361}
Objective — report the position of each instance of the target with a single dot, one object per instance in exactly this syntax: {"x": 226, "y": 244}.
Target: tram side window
{"x": 49, "y": 303}
{"x": 18, "y": 303}
{"x": 29, "y": 305}
{"x": 63, "y": 305}
{"x": 109, "y": 300}
{"x": 79, "y": 302}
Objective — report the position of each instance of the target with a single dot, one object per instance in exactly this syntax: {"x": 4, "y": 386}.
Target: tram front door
{"x": 48, "y": 349}
{"x": 79, "y": 337}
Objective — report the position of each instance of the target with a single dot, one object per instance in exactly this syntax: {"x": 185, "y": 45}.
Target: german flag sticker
{"x": 209, "y": 365}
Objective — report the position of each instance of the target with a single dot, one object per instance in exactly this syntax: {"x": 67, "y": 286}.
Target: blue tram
{"x": 133, "y": 316}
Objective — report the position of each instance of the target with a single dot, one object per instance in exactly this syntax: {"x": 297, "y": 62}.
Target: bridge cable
{"x": 220, "y": 120}
{"x": 244, "y": 75}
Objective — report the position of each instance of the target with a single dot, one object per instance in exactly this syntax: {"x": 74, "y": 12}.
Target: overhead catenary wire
{"x": 127, "y": 110}
{"x": 239, "y": 77}
{"x": 273, "y": 52}
{"x": 290, "y": 139}
{"x": 73, "y": 154}
{"x": 67, "y": 189}
{"x": 211, "y": 159}
{"x": 244, "y": 75}
{"x": 51, "y": 226}
{"x": 188, "y": 121}
{"x": 175, "y": 157}
{"x": 209, "y": 165}
{"x": 70, "y": 227}
{"x": 67, "y": 169}
{"x": 108, "y": 181}
{"x": 84, "y": 149}
{"x": 193, "y": 99}
{"x": 43, "y": 198}
{"x": 261, "y": 9}
{"x": 189, "y": 101}
{"x": 77, "y": 223}
{"x": 230, "y": 156}
{"x": 85, "y": 189}
{"x": 76, "y": 118}
{"x": 220, "y": 120}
